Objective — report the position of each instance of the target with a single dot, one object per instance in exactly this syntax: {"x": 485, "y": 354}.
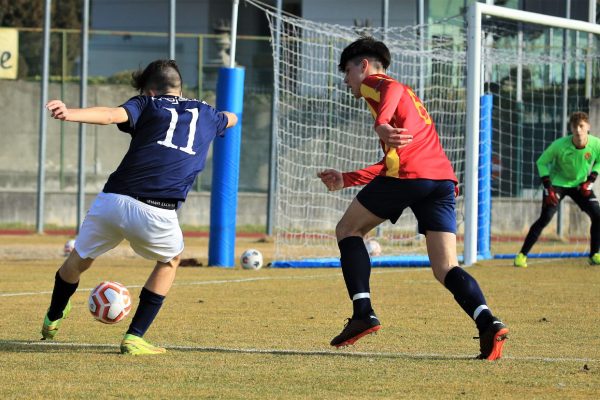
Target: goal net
{"x": 320, "y": 125}
{"x": 538, "y": 73}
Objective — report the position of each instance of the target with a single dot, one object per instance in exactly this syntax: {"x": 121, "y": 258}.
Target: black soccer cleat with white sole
{"x": 355, "y": 329}
{"x": 492, "y": 339}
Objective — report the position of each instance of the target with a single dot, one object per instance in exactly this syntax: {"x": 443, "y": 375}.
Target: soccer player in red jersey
{"x": 415, "y": 173}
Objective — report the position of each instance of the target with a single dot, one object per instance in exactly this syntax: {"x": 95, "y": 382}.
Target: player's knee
{"x": 74, "y": 263}
{"x": 175, "y": 261}
{"x": 440, "y": 273}
{"x": 343, "y": 230}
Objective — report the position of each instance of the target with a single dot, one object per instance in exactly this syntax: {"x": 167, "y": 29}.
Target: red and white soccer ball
{"x": 251, "y": 259}
{"x": 69, "y": 247}
{"x": 373, "y": 247}
{"x": 110, "y": 302}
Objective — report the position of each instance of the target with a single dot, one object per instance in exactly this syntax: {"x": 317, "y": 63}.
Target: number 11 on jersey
{"x": 168, "y": 142}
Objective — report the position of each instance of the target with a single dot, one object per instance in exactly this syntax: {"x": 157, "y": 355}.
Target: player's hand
{"x": 586, "y": 187}
{"x": 332, "y": 179}
{"x": 551, "y": 198}
{"x": 393, "y": 137}
{"x": 58, "y": 109}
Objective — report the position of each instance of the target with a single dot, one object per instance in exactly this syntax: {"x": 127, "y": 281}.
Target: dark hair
{"x": 577, "y": 117}
{"x": 160, "y": 76}
{"x": 365, "y": 47}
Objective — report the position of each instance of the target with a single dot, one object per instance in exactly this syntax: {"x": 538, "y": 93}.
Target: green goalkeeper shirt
{"x": 568, "y": 166}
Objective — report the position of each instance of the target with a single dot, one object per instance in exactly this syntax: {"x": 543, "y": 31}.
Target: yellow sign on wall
{"x": 9, "y": 53}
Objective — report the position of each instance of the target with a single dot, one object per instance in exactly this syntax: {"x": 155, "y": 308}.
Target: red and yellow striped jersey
{"x": 394, "y": 103}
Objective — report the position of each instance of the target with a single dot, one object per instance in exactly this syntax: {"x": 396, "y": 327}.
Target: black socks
{"x": 356, "y": 268}
{"x": 60, "y": 297}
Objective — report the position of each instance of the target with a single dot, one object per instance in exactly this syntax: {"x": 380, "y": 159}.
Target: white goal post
{"x": 474, "y": 91}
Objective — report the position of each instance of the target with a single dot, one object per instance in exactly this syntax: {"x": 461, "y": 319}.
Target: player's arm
{"x": 335, "y": 180}
{"x": 544, "y": 161}
{"x": 232, "y": 119}
{"x": 390, "y": 94}
{"x": 393, "y": 137}
{"x": 90, "y": 115}
{"x": 362, "y": 176}
{"x": 596, "y": 166}
{"x": 550, "y": 197}
{"x": 586, "y": 187}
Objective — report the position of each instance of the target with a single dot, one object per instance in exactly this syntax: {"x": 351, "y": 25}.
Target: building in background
{"x": 127, "y": 34}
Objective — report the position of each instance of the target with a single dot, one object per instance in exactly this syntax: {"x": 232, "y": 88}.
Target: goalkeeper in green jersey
{"x": 568, "y": 167}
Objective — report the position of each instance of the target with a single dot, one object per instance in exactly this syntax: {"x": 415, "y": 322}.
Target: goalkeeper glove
{"x": 551, "y": 198}
{"x": 586, "y": 187}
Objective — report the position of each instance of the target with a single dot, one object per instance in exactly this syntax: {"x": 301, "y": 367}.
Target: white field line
{"x": 294, "y": 352}
{"x": 225, "y": 281}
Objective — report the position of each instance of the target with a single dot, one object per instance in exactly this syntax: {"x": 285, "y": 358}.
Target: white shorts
{"x": 152, "y": 232}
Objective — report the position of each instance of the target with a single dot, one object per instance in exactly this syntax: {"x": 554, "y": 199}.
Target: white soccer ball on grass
{"x": 69, "y": 247}
{"x": 373, "y": 247}
{"x": 110, "y": 302}
{"x": 251, "y": 259}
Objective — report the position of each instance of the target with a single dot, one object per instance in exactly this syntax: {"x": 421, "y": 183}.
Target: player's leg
{"x": 155, "y": 234}
{"x": 590, "y": 206}
{"x": 96, "y": 236}
{"x": 441, "y": 247}
{"x": 535, "y": 231}
{"x": 356, "y": 268}
{"x": 152, "y": 297}
{"x": 437, "y": 219}
{"x": 354, "y": 258}
{"x": 66, "y": 281}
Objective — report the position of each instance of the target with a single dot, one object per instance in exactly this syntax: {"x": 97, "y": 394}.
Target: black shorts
{"x": 431, "y": 201}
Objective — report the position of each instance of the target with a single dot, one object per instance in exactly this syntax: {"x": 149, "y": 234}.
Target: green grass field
{"x": 236, "y": 334}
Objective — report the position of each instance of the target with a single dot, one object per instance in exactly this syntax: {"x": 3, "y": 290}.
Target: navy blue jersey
{"x": 170, "y": 137}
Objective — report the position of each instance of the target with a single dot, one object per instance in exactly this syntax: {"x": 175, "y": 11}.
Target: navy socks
{"x": 468, "y": 295}
{"x": 150, "y": 304}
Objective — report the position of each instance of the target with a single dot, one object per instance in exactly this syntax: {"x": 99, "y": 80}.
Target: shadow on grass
{"x": 45, "y": 346}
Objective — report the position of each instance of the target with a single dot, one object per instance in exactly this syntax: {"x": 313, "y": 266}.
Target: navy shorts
{"x": 431, "y": 201}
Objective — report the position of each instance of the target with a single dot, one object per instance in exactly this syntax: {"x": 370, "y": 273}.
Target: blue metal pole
{"x": 226, "y": 167}
{"x": 484, "y": 197}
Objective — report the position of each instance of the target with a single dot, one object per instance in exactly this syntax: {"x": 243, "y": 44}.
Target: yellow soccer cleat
{"x": 136, "y": 346}
{"x": 50, "y": 328}
{"x": 521, "y": 261}
{"x": 594, "y": 259}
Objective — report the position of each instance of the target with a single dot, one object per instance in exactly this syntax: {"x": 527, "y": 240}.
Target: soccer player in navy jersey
{"x": 170, "y": 137}
{"x": 414, "y": 172}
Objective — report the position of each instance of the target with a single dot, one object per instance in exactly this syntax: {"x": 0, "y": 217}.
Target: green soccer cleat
{"x": 594, "y": 259}
{"x": 136, "y": 346}
{"x": 521, "y": 261}
{"x": 50, "y": 328}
